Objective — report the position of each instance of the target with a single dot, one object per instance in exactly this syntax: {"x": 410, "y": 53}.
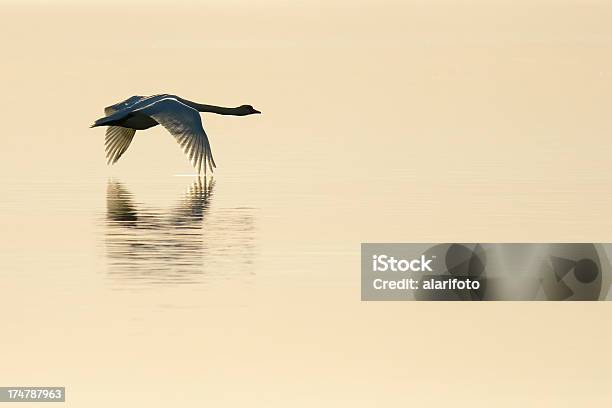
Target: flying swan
{"x": 179, "y": 116}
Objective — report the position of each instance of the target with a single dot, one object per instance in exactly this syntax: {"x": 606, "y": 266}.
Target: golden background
{"x": 470, "y": 121}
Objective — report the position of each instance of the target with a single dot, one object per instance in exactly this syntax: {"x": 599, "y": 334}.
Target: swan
{"x": 179, "y": 116}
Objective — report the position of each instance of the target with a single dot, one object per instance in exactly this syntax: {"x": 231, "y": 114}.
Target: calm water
{"x": 142, "y": 284}
{"x": 182, "y": 244}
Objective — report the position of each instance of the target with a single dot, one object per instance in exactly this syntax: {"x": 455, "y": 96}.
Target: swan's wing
{"x": 185, "y": 124}
{"x": 109, "y": 110}
{"x": 117, "y": 141}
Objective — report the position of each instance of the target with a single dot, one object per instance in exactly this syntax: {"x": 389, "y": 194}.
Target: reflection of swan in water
{"x": 121, "y": 209}
{"x": 152, "y": 246}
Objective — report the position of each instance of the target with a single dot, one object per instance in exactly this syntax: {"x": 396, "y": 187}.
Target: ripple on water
{"x": 186, "y": 244}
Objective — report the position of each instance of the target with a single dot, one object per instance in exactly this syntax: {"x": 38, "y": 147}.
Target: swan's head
{"x": 247, "y": 110}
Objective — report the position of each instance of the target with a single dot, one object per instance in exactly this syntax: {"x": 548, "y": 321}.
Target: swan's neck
{"x": 212, "y": 108}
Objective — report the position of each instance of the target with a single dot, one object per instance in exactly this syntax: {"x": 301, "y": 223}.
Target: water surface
{"x": 141, "y": 285}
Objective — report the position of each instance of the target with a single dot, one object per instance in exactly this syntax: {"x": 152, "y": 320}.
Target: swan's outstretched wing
{"x": 109, "y": 110}
{"x": 185, "y": 124}
{"x": 117, "y": 141}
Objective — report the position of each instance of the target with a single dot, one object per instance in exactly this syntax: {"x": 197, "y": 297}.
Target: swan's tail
{"x": 100, "y": 122}
{"x": 105, "y": 121}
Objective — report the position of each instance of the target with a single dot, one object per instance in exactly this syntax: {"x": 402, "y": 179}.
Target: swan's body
{"x": 179, "y": 116}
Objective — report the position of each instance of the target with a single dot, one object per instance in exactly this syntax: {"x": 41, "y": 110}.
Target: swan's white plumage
{"x": 109, "y": 110}
{"x": 181, "y": 120}
{"x": 185, "y": 124}
{"x": 117, "y": 141}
